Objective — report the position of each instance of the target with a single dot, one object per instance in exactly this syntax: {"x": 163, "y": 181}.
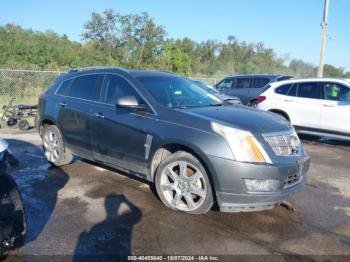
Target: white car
{"x": 318, "y": 106}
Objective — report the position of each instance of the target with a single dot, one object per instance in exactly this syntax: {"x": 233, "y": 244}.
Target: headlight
{"x": 243, "y": 144}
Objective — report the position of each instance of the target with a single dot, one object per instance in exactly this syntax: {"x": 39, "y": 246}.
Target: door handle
{"x": 99, "y": 115}
{"x": 326, "y": 105}
{"x": 287, "y": 100}
{"x": 63, "y": 104}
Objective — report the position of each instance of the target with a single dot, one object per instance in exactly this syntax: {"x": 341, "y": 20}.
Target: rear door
{"x": 335, "y": 108}
{"x": 119, "y": 136}
{"x": 76, "y": 98}
{"x": 306, "y": 107}
{"x": 240, "y": 88}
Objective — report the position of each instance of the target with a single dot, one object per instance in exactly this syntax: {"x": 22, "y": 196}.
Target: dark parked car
{"x": 225, "y": 98}
{"x": 166, "y": 129}
{"x": 248, "y": 87}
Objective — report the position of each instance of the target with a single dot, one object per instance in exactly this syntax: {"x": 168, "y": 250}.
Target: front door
{"x": 119, "y": 136}
{"x": 335, "y": 108}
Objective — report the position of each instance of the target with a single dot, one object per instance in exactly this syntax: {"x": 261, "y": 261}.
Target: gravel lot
{"x": 84, "y": 209}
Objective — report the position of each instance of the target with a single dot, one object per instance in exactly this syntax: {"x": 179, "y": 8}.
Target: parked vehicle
{"x": 12, "y": 218}
{"x": 227, "y": 99}
{"x": 248, "y": 87}
{"x": 164, "y": 128}
{"x": 313, "y": 106}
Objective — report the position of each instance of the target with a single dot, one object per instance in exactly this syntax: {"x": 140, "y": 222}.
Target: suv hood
{"x": 250, "y": 119}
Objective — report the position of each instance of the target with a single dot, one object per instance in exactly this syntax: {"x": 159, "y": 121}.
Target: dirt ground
{"x": 84, "y": 209}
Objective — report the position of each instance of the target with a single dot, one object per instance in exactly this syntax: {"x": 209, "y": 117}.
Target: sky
{"x": 290, "y": 27}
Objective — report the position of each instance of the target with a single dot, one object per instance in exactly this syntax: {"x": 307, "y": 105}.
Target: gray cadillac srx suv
{"x": 197, "y": 150}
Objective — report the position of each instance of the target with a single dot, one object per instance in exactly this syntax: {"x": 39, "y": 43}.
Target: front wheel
{"x": 183, "y": 184}
{"x": 54, "y": 149}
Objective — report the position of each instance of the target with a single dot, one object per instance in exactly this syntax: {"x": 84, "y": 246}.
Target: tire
{"x": 182, "y": 192}
{"x": 11, "y": 122}
{"x": 54, "y": 149}
{"x": 23, "y": 125}
{"x": 12, "y": 215}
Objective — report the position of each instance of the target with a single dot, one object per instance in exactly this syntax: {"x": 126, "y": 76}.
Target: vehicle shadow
{"x": 111, "y": 237}
{"x": 324, "y": 140}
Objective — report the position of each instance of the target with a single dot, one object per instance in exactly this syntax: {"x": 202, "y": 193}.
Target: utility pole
{"x": 324, "y": 26}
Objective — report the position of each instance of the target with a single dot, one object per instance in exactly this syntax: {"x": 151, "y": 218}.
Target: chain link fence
{"x": 25, "y": 86}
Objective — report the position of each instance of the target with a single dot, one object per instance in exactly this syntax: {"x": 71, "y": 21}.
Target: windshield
{"x": 206, "y": 87}
{"x": 177, "y": 92}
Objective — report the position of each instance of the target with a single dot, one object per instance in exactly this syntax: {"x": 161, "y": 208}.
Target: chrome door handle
{"x": 63, "y": 104}
{"x": 99, "y": 115}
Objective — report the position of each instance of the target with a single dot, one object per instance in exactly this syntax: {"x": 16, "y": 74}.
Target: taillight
{"x": 260, "y": 99}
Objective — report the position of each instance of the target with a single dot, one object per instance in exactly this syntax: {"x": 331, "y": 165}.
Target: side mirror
{"x": 131, "y": 103}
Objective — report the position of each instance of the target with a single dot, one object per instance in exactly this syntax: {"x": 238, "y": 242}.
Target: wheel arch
{"x": 280, "y": 112}
{"x": 46, "y": 121}
{"x": 167, "y": 149}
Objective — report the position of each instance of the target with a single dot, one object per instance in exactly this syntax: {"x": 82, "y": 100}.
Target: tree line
{"x": 136, "y": 41}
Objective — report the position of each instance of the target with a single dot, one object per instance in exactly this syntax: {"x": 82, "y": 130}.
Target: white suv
{"x": 317, "y": 106}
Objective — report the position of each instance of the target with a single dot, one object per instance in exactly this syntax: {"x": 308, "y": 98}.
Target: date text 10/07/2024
{"x": 173, "y": 258}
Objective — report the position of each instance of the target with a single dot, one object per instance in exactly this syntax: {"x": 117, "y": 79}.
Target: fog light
{"x": 269, "y": 185}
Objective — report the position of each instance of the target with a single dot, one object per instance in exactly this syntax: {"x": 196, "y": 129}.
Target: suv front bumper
{"x": 232, "y": 194}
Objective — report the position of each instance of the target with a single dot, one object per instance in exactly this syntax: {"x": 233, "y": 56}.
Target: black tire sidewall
{"x": 186, "y": 157}
{"x": 23, "y": 125}
{"x": 10, "y": 193}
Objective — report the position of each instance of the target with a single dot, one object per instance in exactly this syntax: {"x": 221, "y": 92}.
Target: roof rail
{"x": 79, "y": 69}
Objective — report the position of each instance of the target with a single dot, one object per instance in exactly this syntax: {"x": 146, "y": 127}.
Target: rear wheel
{"x": 23, "y": 125}
{"x": 54, "y": 149}
{"x": 183, "y": 184}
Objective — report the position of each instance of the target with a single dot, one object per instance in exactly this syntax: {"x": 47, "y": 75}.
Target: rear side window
{"x": 260, "y": 82}
{"x": 64, "y": 88}
{"x": 293, "y": 90}
{"x": 283, "y": 90}
{"x": 242, "y": 83}
{"x": 309, "y": 90}
{"x": 117, "y": 87}
{"x": 225, "y": 84}
{"x": 84, "y": 87}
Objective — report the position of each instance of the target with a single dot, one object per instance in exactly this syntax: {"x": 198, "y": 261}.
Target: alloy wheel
{"x": 183, "y": 186}
{"x": 51, "y": 146}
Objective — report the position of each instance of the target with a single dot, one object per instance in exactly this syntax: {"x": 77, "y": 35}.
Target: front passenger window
{"x": 225, "y": 84}
{"x": 337, "y": 92}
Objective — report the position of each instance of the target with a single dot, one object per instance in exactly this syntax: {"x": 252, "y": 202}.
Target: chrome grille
{"x": 282, "y": 144}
